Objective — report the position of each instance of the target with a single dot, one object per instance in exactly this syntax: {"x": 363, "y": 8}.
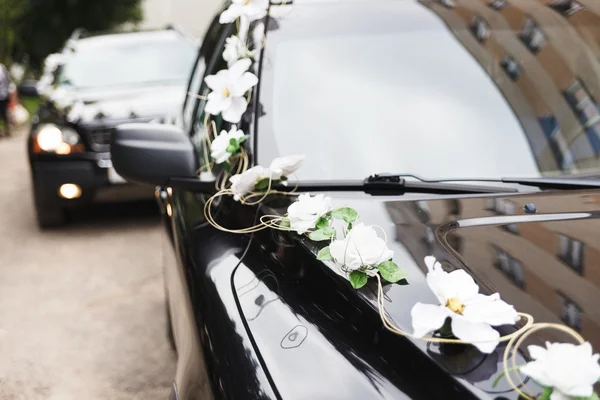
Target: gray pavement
{"x": 81, "y": 308}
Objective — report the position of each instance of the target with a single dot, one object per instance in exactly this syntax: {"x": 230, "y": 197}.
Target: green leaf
{"x": 242, "y": 139}
{"x": 358, "y": 279}
{"x": 391, "y": 272}
{"x": 284, "y": 223}
{"x": 346, "y": 213}
{"x": 231, "y": 149}
{"x": 446, "y": 330}
{"x": 262, "y": 184}
{"x": 324, "y": 254}
{"x": 323, "y": 223}
{"x": 322, "y": 234}
{"x": 546, "y": 394}
{"x": 594, "y": 396}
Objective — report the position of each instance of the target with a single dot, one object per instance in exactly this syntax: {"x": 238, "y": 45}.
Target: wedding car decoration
{"x": 51, "y": 64}
{"x": 235, "y": 50}
{"x": 363, "y": 253}
{"x": 246, "y": 9}
{"x": 565, "y": 370}
{"x": 229, "y": 88}
{"x": 463, "y": 316}
{"x": 468, "y": 314}
{"x": 227, "y": 144}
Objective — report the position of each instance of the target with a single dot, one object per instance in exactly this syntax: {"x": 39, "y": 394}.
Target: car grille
{"x": 101, "y": 137}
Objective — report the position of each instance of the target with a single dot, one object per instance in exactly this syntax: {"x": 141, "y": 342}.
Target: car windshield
{"x": 471, "y": 91}
{"x": 130, "y": 59}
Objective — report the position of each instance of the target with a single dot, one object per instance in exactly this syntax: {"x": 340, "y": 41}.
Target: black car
{"x": 99, "y": 81}
{"x": 485, "y": 117}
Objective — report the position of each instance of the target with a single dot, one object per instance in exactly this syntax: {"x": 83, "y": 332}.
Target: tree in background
{"x": 10, "y": 12}
{"x": 41, "y": 27}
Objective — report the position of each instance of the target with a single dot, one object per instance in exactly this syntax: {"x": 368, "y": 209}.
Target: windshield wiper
{"x": 390, "y": 184}
{"x": 556, "y": 183}
{"x": 380, "y": 184}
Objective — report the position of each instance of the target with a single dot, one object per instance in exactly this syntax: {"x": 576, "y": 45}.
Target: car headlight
{"x": 52, "y": 139}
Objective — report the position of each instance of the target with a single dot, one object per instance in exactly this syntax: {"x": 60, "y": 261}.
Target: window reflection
{"x": 480, "y": 28}
{"x": 498, "y": 4}
{"x": 571, "y": 252}
{"x": 566, "y": 7}
{"x": 532, "y": 35}
{"x": 570, "y": 313}
{"x": 510, "y": 267}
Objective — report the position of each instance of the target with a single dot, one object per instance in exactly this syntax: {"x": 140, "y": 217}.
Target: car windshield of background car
{"x": 128, "y": 63}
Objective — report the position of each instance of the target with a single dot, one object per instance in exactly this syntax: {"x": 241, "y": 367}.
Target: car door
{"x": 216, "y": 358}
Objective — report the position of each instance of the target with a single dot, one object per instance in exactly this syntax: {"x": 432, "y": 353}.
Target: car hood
{"x": 93, "y": 105}
{"x": 546, "y": 264}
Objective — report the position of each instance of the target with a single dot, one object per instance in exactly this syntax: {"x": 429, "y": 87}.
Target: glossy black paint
{"x": 273, "y": 317}
{"x": 258, "y": 317}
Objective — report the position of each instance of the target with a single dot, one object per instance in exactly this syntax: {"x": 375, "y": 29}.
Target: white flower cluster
{"x": 472, "y": 314}
{"x": 221, "y": 147}
{"x": 229, "y": 87}
{"x": 51, "y": 63}
{"x": 280, "y": 168}
{"x": 361, "y": 253}
{"x": 566, "y": 371}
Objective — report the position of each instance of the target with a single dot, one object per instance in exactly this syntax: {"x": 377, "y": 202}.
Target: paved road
{"x": 81, "y": 308}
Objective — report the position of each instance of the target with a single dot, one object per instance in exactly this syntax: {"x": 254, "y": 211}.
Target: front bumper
{"x": 91, "y": 172}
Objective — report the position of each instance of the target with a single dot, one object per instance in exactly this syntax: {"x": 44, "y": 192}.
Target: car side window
{"x": 209, "y": 43}
{"x": 215, "y": 64}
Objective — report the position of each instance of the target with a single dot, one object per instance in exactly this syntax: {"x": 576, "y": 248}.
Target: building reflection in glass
{"x": 543, "y": 55}
{"x": 548, "y": 269}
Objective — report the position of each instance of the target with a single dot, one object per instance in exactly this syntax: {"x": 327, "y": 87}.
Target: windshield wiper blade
{"x": 381, "y": 184}
{"x": 556, "y": 183}
{"x": 386, "y": 184}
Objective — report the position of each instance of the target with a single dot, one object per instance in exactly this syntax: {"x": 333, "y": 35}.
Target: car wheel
{"x": 170, "y": 335}
{"x": 50, "y": 217}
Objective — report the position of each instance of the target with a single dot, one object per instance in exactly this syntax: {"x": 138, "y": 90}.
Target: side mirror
{"x": 153, "y": 153}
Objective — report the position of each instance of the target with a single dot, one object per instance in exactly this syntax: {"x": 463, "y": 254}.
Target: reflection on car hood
{"x": 88, "y": 105}
{"x": 546, "y": 264}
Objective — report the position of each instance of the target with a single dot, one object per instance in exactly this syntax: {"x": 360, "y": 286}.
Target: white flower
{"x": 76, "y": 111}
{"x": 285, "y": 166}
{"x": 52, "y": 62}
{"x": 218, "y": 147}
{"x": 360, "y": 248}
{"x": 44, "y": 85}
{"x": 235, "y": 49}
{"x": 472, "y": 314}
{"x": 206, "y": 176}
{"x": 229, "y": 88}
{"x": 61, "y": 98}
{"x": 571, "y": 370}
{"x": 242, "y": 184}
{"x": 251, "y": 9}
{"x": 304, "y": 213}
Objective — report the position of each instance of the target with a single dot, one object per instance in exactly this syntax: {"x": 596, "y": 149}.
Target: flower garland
{"x": 463, "y": 315}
